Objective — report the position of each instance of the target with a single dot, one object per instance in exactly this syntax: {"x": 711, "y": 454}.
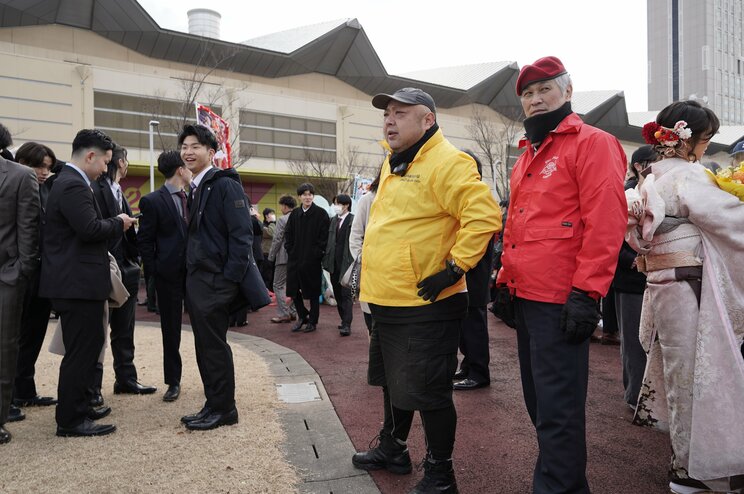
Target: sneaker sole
{"x": 683, "y": 489}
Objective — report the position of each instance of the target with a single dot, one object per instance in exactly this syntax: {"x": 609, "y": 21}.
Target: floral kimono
{"x": 691, "y": 237}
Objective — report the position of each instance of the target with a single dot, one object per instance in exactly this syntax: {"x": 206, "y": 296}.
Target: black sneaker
{"x": 389, "y": 454}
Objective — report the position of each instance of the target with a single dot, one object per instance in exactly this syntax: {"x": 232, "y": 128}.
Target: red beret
{"x": 543, "y": 69}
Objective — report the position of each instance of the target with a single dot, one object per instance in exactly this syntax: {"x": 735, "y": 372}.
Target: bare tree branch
{"x": 494, "y": 140}
{"x": 329, "y": 176}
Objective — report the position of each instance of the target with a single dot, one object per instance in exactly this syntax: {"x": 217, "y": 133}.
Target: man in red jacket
{"x": 566, "y": 222}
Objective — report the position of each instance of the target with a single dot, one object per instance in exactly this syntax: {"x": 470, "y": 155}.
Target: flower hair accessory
{"x": 656, "y": 134}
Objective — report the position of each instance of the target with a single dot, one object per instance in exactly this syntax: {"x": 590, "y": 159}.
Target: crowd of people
{"x": 419, "y": 251}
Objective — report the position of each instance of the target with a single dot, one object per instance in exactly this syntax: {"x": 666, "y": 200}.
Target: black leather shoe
{"x": 460, "y": 375}
{"x": 86, "y": 429}
{"x": 466, "y": 384}
{"x": 98, "y": 413}
{"x": 174, "y": 390}
{"x": 197, "y": 416}
{"x": 96, "y": 400}
{"x": 133, "y": 388}
{"x": 5, "y": 435}
{"x": 36, "y": 401}
{"x": 309, "y": 328}
{"x": 345, "y": 331}
{"x": 214, "y": 420}
{"x": 15, "y": 414}
{"x": 297, "y": 327}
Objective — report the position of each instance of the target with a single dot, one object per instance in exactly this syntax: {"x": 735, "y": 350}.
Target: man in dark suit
{"x": 218, "y": 253}
{"x": 75, "y": 274}
{"x": 338, "y": 259}
{"x": 162, "y": 244}
{"x": 111, "y": 201}
{"x": 305, "y": 238}
{"x": 19, "y": 258}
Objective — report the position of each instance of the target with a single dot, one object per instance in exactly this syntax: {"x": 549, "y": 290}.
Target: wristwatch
{"x": 455, "y": 268}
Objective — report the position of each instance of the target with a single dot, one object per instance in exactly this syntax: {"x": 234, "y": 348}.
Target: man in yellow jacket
{"x": 430, "y": 223}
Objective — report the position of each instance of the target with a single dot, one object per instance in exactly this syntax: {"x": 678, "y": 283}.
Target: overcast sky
{"x": 602, "y": 44}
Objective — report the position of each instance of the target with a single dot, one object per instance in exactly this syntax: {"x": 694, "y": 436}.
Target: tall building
{"x": 696, "y": 51}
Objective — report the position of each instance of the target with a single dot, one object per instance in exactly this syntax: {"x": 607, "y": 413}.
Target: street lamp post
{"x": 153, "y": 124}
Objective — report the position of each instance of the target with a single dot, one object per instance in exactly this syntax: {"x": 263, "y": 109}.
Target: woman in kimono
{"x": 690, "y": 235}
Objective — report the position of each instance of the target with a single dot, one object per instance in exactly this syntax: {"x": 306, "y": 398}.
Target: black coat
{"x": 257, "y": 228}
{"x": 305, "y": 239}
{"x": 161, "y": 239}
{"x": 75, "y": 263}
{"x": 220, "y": 234}
{"x": 123, "y": 248}
{"x": 478, "y": 279}
{"x": 627, "y": 279}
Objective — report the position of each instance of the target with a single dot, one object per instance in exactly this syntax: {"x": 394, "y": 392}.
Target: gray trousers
{"x": 280, "y": 291}
{"x": 628, "y": 308}
{"x": 11, "y": 309}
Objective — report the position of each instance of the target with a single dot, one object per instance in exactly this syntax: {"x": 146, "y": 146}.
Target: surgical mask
{"x": 339, "y": 209}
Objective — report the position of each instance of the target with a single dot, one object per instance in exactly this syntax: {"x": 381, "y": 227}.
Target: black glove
{"x": 503, "y": 307}
{"x": 432, "y": 286}
{"x": 579, "y": 317}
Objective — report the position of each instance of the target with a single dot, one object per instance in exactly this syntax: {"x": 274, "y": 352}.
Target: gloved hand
{"x": 431, "y": 287}
{"x": 579, "y": 317}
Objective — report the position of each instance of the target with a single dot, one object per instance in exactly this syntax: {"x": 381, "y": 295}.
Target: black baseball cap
{"x": 407, "y": 95}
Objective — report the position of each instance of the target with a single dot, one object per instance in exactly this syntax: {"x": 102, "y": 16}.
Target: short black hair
{"x": 203, "y": 135}
{"x": 168, "y": 162}
{"x": 32, "y": 154}
{"x": 306, "y": 187}
{"x": 6, "y": 140}
{"x": 342, "y": 199}
{"x": 288, "y": 201}
{"x": 267, "y": 211}
{"x": 57, "y": 166}
{"x": 92, "y": 138}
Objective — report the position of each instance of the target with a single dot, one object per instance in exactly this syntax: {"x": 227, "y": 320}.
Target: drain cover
{"x": 298, "y": 393}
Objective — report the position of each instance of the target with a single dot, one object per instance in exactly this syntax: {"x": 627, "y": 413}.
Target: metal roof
{"x": 339, "y": 48}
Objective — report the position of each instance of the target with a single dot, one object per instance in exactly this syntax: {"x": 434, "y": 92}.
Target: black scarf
{"x": 399, "y": 161}
{"x": 538, "y": 127}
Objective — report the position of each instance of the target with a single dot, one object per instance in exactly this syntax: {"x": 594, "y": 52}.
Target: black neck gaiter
{"x": 538, "y": 127}
{"x": 400, "y": 160}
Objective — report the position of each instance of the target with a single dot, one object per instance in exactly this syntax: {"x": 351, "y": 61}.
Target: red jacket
{"x": 567, "y": 214}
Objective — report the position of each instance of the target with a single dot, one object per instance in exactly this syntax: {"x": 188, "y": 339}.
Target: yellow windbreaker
{"x": 439, "y": 210}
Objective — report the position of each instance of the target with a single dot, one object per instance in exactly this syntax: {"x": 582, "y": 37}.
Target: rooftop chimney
{"x": 204, "y": 22}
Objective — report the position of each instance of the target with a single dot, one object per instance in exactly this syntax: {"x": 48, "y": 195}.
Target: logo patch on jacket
{"x": 550, "y": 167}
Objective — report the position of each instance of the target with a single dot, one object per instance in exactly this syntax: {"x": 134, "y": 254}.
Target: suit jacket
{"x": 161, "y": 238}
{"x": 124, "y": 247}
{"x": 277, "y": 252}
{"x": 74, "y": 261}
{"x": 19, "y": 222}
{"x": 337, "y": 248}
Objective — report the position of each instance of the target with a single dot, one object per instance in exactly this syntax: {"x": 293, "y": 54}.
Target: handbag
{"x": 503, "y": 307}
{"x": 352, "y": 277}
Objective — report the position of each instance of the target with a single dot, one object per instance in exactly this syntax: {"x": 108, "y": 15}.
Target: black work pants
{"x": 344, "y": 304}
{"x": 170, "y": 302}
{"x": 555, "y": 376}
{"x": 302, "y": 313}
{"x": 209, "y": 296}
{"x": 474, "y": 345}
{"x": 121, "y": 321}
{"x": 83, "y": 337}
{"x": 34, "y": 323}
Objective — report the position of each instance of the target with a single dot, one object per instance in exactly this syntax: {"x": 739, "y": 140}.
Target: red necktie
{"x": 184, "y": 208}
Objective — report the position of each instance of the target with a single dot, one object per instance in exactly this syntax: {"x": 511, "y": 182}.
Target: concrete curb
{"x": 317, "y": 444}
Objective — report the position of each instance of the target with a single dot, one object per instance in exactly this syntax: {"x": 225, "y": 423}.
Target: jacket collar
{"x": 569, "y": 125}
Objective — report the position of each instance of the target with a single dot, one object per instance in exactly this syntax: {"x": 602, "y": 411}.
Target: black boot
{"x": 389, "y": 454}
{"x": 439, "y": 478}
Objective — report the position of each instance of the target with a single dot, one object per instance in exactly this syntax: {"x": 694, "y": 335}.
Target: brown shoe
{"x": 282, "y": 319}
